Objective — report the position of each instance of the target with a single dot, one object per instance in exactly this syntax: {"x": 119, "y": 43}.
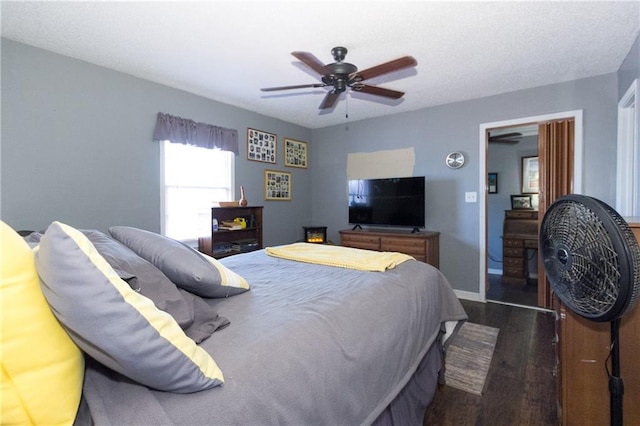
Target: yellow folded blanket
{"x": 342, "y": 257}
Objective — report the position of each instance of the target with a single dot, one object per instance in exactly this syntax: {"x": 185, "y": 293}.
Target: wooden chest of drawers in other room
{"x": 519, "y": 234}
{"x": 423, "y": 246}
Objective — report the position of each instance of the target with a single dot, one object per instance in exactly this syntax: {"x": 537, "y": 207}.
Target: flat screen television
{"x": 396, "y": 202}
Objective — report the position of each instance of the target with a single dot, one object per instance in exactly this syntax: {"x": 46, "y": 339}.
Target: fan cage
{"x": 632, "y": 249}
{"x": 591, "y": 257}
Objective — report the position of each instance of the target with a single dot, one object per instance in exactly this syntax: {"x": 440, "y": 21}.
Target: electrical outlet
{"x": 470, "y": 197}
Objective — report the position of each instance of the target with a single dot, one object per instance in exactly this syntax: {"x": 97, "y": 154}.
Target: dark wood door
{"x": 556, "y": 145}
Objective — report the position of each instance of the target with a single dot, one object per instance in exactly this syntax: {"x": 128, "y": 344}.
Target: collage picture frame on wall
{"x": 295, "y": 153}
{"x": 262, "y": 146}
{"x": 277, "y": 185}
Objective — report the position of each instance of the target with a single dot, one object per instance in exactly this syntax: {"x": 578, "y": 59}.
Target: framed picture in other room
{"x": 530, "y": 175}
{"x": 492, "y": 183}
{"x": 521, "y": 202}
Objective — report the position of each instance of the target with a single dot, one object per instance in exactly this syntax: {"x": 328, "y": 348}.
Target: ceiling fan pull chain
{"x": 347, "y": 103}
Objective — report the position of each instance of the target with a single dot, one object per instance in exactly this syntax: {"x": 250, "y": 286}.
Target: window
{"x": 192, "y": 178}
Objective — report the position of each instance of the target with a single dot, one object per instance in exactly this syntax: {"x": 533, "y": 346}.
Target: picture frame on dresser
{"x": 521, "y": 202}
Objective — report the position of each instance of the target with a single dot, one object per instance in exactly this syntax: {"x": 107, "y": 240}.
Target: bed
{"x": 307, "y": 344}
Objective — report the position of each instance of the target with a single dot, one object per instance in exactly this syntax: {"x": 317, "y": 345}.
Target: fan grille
{"x": 633, "y": 252}
{"x": 591, "y": 258}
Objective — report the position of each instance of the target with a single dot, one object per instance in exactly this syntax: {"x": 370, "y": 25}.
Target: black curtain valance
{"x": 188, "y": 132}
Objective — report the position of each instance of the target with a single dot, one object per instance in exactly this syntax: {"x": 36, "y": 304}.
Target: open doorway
{"x": 550, "y": 172}
{"x": 512, "y": 215}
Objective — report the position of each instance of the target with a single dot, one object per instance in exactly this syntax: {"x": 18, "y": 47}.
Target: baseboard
{"x": 467, "y": 295}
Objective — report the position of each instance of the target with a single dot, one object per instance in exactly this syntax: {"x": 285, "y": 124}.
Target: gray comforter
{"x": 308, "y": 345}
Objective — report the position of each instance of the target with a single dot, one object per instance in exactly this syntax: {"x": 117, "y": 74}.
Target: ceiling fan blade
{"x": 508, "y": 141}
{"x": 387, "y": 67}
{"x": 299, "y": 86}
{"x": 378, "y": 91}
{"x": 330, "y": 100}
{"x": 311, "y": 61}
{"x": 506, "y": 136}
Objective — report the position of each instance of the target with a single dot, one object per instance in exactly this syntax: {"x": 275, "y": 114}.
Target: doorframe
{"x": 628, "y": 162}
{"x": 484, "y": 148}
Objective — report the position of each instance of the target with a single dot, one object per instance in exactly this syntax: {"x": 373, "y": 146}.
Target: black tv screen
{"x": 387, "y": 202}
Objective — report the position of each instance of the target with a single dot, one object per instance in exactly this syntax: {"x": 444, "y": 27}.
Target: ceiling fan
{"x": 341, "y": 75}
{"x": 510, "y": 138}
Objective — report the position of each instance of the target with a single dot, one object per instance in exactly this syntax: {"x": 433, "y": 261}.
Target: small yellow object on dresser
{"x": 240, "y": 221}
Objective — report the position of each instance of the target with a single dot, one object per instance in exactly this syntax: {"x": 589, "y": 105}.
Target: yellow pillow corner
{"x": 228, "y": 278}
{"x": 42, "y": 368}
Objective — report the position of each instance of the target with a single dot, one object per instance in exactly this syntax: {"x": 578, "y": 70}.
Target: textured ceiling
{"x": 227, "y": 51}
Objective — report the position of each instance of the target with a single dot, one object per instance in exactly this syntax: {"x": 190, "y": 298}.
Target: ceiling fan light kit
{"x": 341, "y": 76}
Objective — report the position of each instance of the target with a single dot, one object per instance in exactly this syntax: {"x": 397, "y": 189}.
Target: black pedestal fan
{"x": 592, "y": 261}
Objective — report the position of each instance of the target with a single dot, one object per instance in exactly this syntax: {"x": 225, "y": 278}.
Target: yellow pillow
{"x": 42, "y": 369}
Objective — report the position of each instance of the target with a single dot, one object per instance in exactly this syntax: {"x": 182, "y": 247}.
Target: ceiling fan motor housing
{"x": 591, "y": 257}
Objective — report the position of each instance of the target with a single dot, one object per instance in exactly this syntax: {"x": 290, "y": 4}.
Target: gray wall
{"x": 76, "y": 147}
{"x": 630, "y": 68}
{"x": 434, "y": 132}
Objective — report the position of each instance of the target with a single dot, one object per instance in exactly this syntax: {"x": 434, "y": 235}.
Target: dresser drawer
{"x": 533, "y": 244}
{"x": 512, "y": 243}
{"x": 367, "y": 242}
{"x": 514, "y": 262}
{"x": 526, "y": 214}
{"x": 512, "y": 252}
{"x": 422, "y": 246}
{"x": 513, "y": 272}
{"x": 403, "y": 245}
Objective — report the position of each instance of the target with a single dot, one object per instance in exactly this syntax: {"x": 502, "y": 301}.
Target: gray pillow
{"x": 112, "y": 323}
{"x": 187, "y": 268}
{"x": 195, "y": 317}
{"x": 145, "y": 278}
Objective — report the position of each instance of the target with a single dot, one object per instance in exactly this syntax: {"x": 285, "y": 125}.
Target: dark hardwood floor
{"x": 519, "y": 294}
{"x": 521, "y": 388}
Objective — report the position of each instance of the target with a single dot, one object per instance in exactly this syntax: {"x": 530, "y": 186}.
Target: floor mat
{"x": 469, "y": 356}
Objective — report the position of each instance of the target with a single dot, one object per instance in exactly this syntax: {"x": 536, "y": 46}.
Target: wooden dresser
{"x": 423, "y": 246}
{"x": 584, "y": 347}
{"x": 519, "y": 234}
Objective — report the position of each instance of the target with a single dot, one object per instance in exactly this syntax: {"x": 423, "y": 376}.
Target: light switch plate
{"x": 470, "y": 197}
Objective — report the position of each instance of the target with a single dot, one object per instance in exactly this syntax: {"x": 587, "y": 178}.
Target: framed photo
{"x": 262, "y": 146}
{"x": 295, "y": 153}
{"x": 277, "y": 185}
{"x": 521, "y": 202}
{"x": 492, "y": 183}
{"x": 530, "y": 175}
